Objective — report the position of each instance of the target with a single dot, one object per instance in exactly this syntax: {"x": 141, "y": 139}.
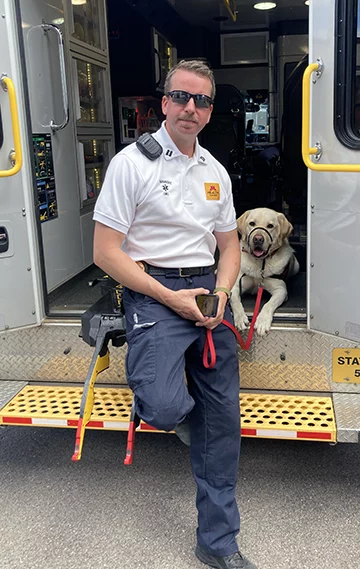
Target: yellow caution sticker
{"x": 346, "y": 365}
{"x": 212, "y": 190}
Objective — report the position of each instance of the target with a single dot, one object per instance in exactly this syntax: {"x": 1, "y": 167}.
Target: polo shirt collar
{"x": 170, "y": 150}
{"x": 199, "y": 153}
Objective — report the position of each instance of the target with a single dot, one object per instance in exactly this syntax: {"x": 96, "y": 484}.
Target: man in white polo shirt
{"x": 166, "y": 212}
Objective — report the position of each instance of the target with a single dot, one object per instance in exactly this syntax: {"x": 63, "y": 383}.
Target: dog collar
{"x": 262, "y": 229}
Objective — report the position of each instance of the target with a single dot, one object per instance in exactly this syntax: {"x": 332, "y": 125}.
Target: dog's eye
{"x": 252, "y": 223}
{"x": 270, "y": 226}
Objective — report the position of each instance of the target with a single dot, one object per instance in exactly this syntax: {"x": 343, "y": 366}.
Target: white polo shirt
{"x": 168, "y": 208}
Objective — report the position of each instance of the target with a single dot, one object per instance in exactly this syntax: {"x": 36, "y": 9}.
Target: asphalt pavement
{"x": 299, "y": 502}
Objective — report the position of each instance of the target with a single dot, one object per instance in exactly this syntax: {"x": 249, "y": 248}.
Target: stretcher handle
{"x": 134, "y": 422}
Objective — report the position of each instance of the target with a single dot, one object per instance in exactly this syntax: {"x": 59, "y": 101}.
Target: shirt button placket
{"x": 186, "y": 194}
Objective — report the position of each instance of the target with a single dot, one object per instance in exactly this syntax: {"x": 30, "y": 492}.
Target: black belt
{"x": 185, "y": 272}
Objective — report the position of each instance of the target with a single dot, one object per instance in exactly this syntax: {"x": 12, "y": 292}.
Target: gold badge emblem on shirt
{"x": 212, "y": 190}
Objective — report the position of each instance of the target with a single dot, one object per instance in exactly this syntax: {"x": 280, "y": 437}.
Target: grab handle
{"x": 316, "y": 150}
{"x": 46, "y": 27}
{"x": 15, "y": 155}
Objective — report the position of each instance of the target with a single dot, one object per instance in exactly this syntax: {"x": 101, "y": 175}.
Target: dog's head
{"x": 263, "y": 231}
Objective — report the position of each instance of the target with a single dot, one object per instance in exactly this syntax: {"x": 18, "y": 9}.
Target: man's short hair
{"x": 197, "y": 66}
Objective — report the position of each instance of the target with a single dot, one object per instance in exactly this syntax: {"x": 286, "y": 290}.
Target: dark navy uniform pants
{"x": 161, "y": 347}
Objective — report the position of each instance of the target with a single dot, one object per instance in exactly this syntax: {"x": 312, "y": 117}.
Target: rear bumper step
{"x": 300, "y": 417}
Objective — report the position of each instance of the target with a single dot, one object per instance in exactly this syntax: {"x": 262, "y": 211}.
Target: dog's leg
{"x": 295, "y": 268}
{"x": 240, "y": 318}
{"x": 277, "y": 289}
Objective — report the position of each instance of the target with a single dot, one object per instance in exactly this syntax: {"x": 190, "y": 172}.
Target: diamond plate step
{"x": 262, "y": 415}
{"x": 8, "y": 390}
{"x": 347, "y": 410}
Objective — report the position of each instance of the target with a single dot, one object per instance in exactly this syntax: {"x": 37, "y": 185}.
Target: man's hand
{"x": 183, "y": 302}
{"x": 211, "y": 323}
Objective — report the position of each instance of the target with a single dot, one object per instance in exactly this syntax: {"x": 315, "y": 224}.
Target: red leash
{"x": 209, "y": 342}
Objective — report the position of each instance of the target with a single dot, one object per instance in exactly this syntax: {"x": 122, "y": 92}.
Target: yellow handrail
{"x": 306, "y": 150}
{"x": 15, "y": 156}
{"x": 231, "y": 7}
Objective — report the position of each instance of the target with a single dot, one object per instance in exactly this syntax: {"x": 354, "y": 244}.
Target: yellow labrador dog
{"x": 265, "y": 249}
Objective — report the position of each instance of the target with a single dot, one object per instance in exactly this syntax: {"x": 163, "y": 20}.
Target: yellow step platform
{"x": 274, "y": 416}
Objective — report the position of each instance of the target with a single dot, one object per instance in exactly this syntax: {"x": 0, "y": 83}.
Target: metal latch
{"x": 4, "y": 240}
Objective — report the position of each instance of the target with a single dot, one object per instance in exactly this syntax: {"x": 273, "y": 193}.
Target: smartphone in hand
{"x": 208, "y": 304}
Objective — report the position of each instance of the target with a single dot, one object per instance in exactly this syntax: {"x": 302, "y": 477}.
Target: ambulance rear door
{"x": 20, "y": 281}
{"x": 334, "y": 171}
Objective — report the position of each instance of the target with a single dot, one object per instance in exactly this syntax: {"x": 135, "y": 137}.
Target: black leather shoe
{"x": 234, "y": 561}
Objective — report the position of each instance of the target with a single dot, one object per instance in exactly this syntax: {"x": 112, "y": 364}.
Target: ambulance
{"x": 81, "y": 79}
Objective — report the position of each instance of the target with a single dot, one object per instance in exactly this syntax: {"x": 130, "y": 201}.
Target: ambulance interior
{"x": 255, "y": 130}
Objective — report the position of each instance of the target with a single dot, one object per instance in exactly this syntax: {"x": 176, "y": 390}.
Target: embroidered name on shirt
{"x": 165, "y": 186}
{"x": 212, "y": 190}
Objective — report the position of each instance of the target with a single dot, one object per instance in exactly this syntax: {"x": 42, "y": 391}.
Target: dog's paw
{"x": 263, "y": 324}
{"x": 241, "y": 320}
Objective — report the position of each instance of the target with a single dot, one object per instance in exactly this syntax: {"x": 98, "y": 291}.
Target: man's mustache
{"x": 189, "y": 118}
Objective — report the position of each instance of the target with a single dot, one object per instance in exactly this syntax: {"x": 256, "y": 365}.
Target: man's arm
{"x": 109, "y": 257}
{"x": 229, "y": 260}
{"x": 227, "y": 271}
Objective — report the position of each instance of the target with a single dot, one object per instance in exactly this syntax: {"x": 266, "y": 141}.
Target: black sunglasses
{"x": 183, "y": 97}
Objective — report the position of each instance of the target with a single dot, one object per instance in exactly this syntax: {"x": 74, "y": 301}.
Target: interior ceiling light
{"x": 265, "y": 5}
{"x": 58, "y": 21}
{"x": 307, "y": 2}
{"x": 78, "y": 2}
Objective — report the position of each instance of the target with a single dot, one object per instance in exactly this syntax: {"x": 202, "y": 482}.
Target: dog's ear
{"x": 285, "y": 226}
{"x": 241, "y": 223}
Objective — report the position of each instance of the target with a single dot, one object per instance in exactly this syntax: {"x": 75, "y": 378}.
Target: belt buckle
{"x": 141, "y": 265}
{"x": 182, "y": 274}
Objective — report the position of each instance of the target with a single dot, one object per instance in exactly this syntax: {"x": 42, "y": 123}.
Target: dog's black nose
{"x": 258, "y": 239}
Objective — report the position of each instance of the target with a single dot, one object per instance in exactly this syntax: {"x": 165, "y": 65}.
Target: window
{"x": 356, "y": 106}
{"x": 93, "y": 161}
{"x": 1, "y": 132}
{"x": 91, "y": 85}
{"x": 347, "y": 73}
{"x": 257, "y": 116}
{"x": 86, "y": 22}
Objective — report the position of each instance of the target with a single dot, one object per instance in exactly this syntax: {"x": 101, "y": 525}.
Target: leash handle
{"x": 209, "y": 342}
{"x": 209, "y": 347}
